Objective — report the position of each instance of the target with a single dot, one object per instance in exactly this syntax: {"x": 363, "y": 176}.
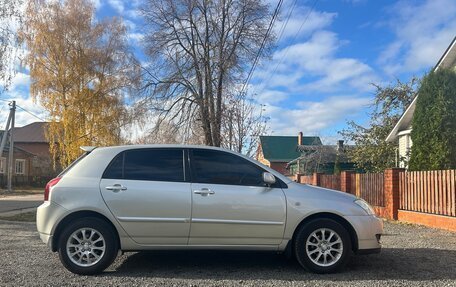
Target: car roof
{"x": 136, "y": 146}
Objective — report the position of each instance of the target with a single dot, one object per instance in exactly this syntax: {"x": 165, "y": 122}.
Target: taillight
{"x": 50, "y": 184}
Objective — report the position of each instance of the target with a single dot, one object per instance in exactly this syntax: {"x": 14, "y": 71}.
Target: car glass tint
{"x": 114, "y": 169}
{"x": 218, "y": 167}
{"x": 154, "y": 165}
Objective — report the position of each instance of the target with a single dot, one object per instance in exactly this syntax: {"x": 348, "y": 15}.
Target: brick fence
{"x": 427, "y": 198}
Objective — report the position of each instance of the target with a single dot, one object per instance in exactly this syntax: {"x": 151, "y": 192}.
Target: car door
{"x": 231, "y": 205}
{"x": 149, "y": 194}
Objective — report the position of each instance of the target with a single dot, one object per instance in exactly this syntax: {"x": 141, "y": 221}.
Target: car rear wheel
{"x": 87, "y": 246}
{"x": 322, "y": 246}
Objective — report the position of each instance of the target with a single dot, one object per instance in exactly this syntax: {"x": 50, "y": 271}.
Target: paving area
{"x": 412, "y": 256}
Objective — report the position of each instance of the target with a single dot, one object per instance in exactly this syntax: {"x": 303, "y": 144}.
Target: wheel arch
{"x": 327, "y": 215}
{"x": 78, "y": 215}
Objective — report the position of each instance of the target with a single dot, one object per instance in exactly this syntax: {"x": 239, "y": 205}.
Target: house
{"x": 31, "y": 151}
{"x": 277, "y": 151}
{"x": 321, "y": 158}
{"x": 402, "y": 130}
{"x": 22, "y": 161}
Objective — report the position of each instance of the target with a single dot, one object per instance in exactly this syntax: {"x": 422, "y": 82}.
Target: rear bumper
{"x": 48, "y": 215}
{"x": 369, "y": 230}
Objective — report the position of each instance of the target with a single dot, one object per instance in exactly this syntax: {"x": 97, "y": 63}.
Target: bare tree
{"x": 199, "y": 51}
{"x": 244, "y": 123}
{"x": 10, "y": 19}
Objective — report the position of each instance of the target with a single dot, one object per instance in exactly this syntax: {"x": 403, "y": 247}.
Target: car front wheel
{"x": 87, "y": 246}
{"x": 322, "y": 246}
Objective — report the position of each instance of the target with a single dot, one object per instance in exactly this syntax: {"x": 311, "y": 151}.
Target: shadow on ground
{"x": 407, "y": 264}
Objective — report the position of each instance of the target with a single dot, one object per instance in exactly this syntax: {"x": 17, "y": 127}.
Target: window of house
{"x": 20, "y": 166}
{"x": 2, "y": 165}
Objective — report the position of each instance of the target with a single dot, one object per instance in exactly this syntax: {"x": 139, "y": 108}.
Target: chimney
{"x": 300, "y": 138}
{"x": 340, "y": 145}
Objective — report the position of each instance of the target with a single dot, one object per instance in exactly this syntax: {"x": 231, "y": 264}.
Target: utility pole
{"x": 5, "y": 135}
{"x": 11, "y": 146}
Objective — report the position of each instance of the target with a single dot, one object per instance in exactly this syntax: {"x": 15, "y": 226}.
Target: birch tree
{"x": 80, "y": 70}
{"x": 10, "y": 19}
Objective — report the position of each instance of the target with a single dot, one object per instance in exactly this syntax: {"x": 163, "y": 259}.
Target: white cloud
{"x": 136, "y": 37}
{"x": 20, "y": 79}
{"x": 271, "y": 97}
{"x": 422, "y": 31}
{"x": 313, "y": 117}
{"x": 314, "y": 66}
{"x": 22, "y": 118}
{"x": 316, "y": 20}
{"x": 118, "y": 5}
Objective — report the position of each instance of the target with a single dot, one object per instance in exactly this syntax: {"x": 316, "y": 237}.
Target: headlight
{"x": 364, "y": 205}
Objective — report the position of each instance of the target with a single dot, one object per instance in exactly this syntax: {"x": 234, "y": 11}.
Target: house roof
{"x": 284, "y": 148}
{"x": 34, "y": 132}
{"x": 447, "y": 60}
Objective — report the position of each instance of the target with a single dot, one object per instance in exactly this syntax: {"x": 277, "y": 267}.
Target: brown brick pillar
{"x": 298, "y": 178}
{"x": 391, "y": 192}
{"x": 345, "y": 181}
{"x": 316, "y": 178}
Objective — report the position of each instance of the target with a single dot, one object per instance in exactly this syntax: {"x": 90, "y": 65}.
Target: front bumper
{"x": 369, "y": 229}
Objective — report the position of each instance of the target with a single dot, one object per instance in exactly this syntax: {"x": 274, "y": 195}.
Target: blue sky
{"x": 319, "y": 75}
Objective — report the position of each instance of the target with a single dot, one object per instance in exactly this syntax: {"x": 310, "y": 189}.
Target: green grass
{"x": 25, "y": 217}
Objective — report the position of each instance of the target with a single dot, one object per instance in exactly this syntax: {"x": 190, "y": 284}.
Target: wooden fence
{"x": 431, "y": 192}
{"x": 428, "y": 191}
{"x": 330, "y": 181}
{"x": 370, "y": 188}
{"x": 423, "y": 197}
{"x": 306, "y": 179}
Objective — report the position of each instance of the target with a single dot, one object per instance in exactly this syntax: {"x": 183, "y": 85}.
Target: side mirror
{"x": 269, "y": 178}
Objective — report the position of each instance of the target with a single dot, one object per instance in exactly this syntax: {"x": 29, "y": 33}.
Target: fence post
{"x": 345, "y": 181}
{"x": 391, "y": 191}
{"x": 316, "y": 178}
{"x": 298, "y": 178}
{"x": 357, "y": 185}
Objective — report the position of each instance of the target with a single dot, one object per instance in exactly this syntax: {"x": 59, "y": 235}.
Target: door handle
{"x": 203, "y": 191}
{"x": 116, "y": 187}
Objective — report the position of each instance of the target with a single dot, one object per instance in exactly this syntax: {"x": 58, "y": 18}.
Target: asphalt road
{"x": 412, "y": 256}
{"x": 13, "y": 203}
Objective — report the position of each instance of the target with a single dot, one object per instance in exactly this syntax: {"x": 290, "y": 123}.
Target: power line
{"x": 282, "y": 30}
{"x": 285, "y": 23}
{"x": 30, "y": 113}
{"x": 255, "y": 62}
{"x": 287, "y": 48}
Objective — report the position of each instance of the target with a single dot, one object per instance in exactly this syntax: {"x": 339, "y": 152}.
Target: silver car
{"x": 150, "y": 197}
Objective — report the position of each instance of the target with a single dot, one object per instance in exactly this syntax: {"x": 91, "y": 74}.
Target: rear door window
{"x": 148, "y": 164}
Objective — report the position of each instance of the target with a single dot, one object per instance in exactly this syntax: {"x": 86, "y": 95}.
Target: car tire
{"x": 322, "y": 246}
{"x": 87, "y": 246}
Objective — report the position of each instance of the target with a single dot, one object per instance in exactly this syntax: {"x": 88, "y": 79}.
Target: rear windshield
{"x": 73, "y": 164}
